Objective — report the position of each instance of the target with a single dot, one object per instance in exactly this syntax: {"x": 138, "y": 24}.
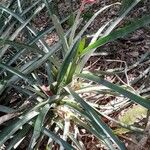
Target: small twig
{"x": 66, "y": 127}
{"x": 125, "y": 69}
{"x": 145, "y": 90}
{"x": 130, "y": 127}
{"x": 140, "y": 76}
{"x": 143, "y": 57}
{"x": 93, "y": 64}
{"x": 128, "y": 139}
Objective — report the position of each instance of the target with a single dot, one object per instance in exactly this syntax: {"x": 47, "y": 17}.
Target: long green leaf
{"x": 118, "y": 33}
{"x": 36, "y": 38}
{"x": 10, "y": 130}
{"x": 68, "y": 59}
{"x": 125, "y": 4}
{"x": 22, "y": 26}
{"x": 60, "y": 32}
{"x": 58, "y": 139}
{"x": 98, "y": 133}
{"x": 23, "y": 13}
{"x": 136, "y": 98}
{"x": 84, "y": 60}
{"x": 16, "y": 44}
{"x": 97, "y": 122}
{"x": 16, "y": 72}
{"x": 91, "y": 20}
{"x": 112, "y": 25}
{"x": 19, "y": 136}
{"x": 127, "y": 8}
{"x": 34, "y": 64}
{"x": 6, "y": 109}
{"x": 58, "y": 27}
{"x": 20, "y": 19}
{"x": 38, "y": 126}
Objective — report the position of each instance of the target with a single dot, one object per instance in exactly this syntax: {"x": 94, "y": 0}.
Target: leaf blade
{"x": 126, "y": 93}
{"x": 118, "y": 33}
{"x": 97, "y": 122}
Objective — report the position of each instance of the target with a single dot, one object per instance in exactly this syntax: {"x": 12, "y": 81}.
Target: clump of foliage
{"x": 47, "y": 112}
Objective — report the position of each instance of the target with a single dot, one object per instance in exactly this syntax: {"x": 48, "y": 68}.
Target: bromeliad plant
{"x": 47, "y": 110}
